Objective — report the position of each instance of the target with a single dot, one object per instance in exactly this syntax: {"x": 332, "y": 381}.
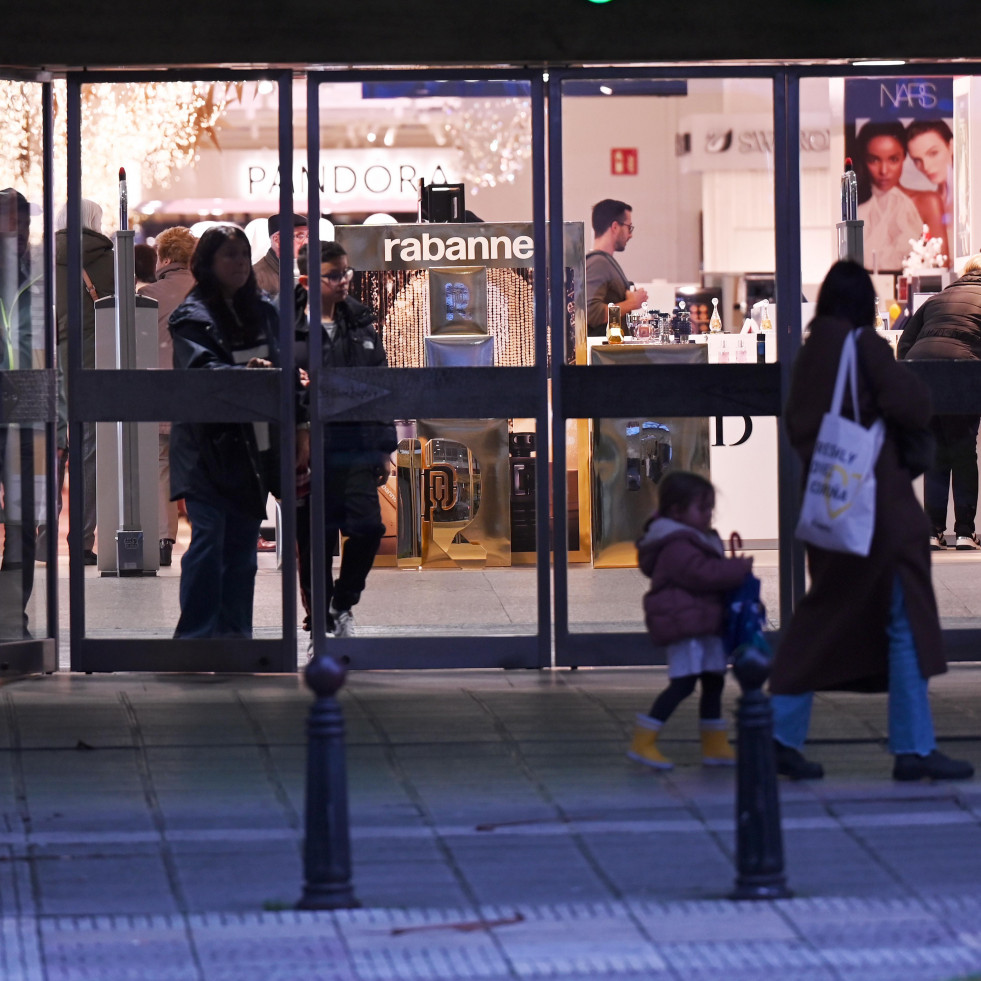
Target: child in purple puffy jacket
{"x": 684, "y": 610}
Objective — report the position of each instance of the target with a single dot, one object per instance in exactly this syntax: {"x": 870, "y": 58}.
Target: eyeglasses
{"x": 338, "y": 275}
{"x": 630, "y": 228}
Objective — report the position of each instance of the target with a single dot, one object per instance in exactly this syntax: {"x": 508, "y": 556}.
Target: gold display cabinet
{"x": 629, "y": 457}
{"x": 453, "y": 495}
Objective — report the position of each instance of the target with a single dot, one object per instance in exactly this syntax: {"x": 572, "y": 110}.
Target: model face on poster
{"x": 932, "y": 155}
{"x": 884, "y": 157}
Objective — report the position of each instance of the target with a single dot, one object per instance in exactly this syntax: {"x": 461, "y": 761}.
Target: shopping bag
{"x": 838, "y": 508}
{"x": 745, "y": 618}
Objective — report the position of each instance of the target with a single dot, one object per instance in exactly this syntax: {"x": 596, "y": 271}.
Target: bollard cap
{"x": 324, "y": 675}
{"x": 751, "y": 667}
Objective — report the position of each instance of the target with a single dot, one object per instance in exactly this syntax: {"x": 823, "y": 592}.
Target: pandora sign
{"x": 390, "y": 176}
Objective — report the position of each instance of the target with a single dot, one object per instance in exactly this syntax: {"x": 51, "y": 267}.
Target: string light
{"x": 152, "y": 127}
{"x": 493, "y": 137}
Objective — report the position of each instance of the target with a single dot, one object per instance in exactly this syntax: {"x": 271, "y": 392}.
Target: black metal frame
{"x": 413, "y": 393}
{"x": 29, "y": 396}
{"x": 176, "y": 396}
{"x": 409, "y": 393}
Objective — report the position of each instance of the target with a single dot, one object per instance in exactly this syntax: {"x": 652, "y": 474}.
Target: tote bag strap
{"x": 846, "y": 369}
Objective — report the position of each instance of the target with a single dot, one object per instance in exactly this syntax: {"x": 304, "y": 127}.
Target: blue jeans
{"x": 910, "y": 721}
{"x": 218, "y": 573}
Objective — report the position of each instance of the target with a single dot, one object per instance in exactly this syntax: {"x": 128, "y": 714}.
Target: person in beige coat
{"x": 175, "y": 246}
{"x": 866, "y": 623}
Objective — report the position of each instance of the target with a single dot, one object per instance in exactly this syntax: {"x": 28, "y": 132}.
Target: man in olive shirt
{"x": 606, "y": 282}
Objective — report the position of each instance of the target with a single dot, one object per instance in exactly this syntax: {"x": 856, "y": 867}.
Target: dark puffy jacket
{"x": 356, "y": 344}
{"x": 219, "y": 463}
{"x": 948, "y": 325}
{"x": 690, "y": 576}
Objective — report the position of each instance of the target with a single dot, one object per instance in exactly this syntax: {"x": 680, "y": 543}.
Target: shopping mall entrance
{"x": 529, "y": 448}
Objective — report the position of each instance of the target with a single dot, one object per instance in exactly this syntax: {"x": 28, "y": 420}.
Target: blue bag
{"x": 745, "y": 618}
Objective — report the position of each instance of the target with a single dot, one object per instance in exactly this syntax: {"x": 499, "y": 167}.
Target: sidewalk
{"x": 151, "y": 829}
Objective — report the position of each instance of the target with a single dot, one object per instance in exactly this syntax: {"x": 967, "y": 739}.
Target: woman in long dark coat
{"x": 866, "y": 624}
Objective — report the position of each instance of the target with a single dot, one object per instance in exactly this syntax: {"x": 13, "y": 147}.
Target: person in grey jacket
{"x": 606, "y": 282}
{"x": 98, "y": 266}
{"x": 948, "y": 326}
{"x": 175, "y": 246}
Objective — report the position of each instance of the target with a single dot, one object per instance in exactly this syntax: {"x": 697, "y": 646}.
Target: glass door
{"x": 138, "y": 169}
{"x": 28, "y": 599}
{"x": 430, "y": 189}
{"x": 677, "y": 178}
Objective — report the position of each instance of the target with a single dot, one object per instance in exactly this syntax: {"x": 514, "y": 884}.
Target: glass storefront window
{"x": 679, "y": 223}
{"x": 25, "y": 360}
{"x": 909, "y": 139}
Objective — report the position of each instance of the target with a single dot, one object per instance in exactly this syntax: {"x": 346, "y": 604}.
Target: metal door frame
{"x": 194, "y": 396}
{"x": 466, "y": 393}
{"x": 576, "y": 392}
{"x": 30, "y": 397}
{"x": 707, "y": 390}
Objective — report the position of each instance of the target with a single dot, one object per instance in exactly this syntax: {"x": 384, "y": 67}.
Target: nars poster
{"x": 899, "y": 134}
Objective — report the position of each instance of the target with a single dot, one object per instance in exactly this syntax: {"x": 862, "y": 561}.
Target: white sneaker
{"x": 343, "y": 622}
{"x": 966, "y": 543}
{"x": 937, "y": 541}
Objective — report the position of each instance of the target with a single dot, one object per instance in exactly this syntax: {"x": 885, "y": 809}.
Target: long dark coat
{"x": 837, "y": 636}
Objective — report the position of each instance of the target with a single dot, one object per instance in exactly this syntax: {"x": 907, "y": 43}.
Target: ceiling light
{"x": 878, "y": 63}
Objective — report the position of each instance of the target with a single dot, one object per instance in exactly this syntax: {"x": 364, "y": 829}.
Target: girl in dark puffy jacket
{"x": 684, "y": 611}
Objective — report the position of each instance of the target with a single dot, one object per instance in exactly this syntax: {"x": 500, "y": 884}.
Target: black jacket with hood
{"x": 356, "y": 344}
{"x": 220, "y": 463}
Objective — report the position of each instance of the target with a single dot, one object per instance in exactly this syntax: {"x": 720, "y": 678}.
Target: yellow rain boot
{"x": 716, "y": 750}
{"x": 643, "y": 746}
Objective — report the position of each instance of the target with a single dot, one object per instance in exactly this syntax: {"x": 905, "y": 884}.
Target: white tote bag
{"x": 838, "y": 509}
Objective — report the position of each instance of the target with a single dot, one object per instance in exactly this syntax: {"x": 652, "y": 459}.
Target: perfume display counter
{"x": 464, "y": 491}
{"x": 629, "y": 456}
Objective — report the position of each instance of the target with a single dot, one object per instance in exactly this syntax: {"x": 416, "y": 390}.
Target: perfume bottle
{"x": 676, "y": 321}
{"x": 684, "y": 320}
{"x": 765, "y": 322}
{"x": 715, "y": 322}
{"x": 878, "y": 314}
{"x": 895, "y": 310}
{"x": 614, "y": 331}
{"x": 642, "y": 329}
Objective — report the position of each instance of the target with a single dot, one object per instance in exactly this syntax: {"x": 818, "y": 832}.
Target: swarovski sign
{"x": 711, "y": 142}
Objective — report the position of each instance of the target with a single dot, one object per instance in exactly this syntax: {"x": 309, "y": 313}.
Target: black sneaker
{"x": 89, "y": 557}
{"x": 792, "y": 763}
{"x": 166, "y": 551}
{"x": 936, "y": 766}
{"x": 938, "y": 541}
{"x": 967, "y": 543}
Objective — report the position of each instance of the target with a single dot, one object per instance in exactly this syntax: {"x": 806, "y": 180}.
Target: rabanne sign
{"x": 490, "y": 244}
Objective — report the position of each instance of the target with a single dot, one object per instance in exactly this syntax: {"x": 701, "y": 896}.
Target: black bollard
{"x": 327, "y": 845}
{"x": 759, "y": 838}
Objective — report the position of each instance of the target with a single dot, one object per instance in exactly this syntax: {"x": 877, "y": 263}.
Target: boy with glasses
{"x": 357, "y": 455}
